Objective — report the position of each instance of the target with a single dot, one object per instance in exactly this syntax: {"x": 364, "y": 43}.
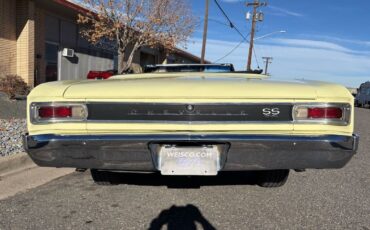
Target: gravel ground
{"x": 11, "y": 132}
{"x": 315, "y": 199}
{"x": 12, "y": 109}
{"x": 12, "y": 125}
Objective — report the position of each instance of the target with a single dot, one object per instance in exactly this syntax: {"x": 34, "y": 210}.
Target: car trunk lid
{"x": 190, "y": 87}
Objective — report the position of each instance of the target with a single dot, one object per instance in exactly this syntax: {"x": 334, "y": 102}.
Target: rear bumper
{"x": 241, "y": 152}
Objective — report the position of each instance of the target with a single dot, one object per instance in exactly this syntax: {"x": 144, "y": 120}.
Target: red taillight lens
{"x": 106, "y": 75}
{"x": 329, "y": 114}
{"x": 325, "y": 113}
{"x": 58, "y": 112}
{"x": 55, "y": 112}
{"x": 92, "y": 75}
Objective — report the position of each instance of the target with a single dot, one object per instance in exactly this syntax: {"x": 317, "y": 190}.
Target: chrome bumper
{"x": 242, "y": 152}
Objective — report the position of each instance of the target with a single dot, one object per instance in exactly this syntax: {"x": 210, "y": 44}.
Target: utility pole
{"x": 268, "y": 60}
{"x": 205, "y": 30}
{"x": 256, "y": 16}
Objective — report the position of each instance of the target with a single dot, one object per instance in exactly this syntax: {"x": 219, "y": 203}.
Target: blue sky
{"x": 325, "y": 40}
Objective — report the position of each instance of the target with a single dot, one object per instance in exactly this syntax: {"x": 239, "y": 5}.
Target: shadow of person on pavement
{"x": 183, "y": 217}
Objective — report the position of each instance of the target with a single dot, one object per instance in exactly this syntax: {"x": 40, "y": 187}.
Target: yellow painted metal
{"x": 191, "y": 88}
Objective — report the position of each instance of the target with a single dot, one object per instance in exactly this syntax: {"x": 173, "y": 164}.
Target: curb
{"x": 19, "y": 174}
{"x": 15, "y": 163}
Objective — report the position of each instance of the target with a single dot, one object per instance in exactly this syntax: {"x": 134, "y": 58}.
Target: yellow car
{"x": 191, "y": 123}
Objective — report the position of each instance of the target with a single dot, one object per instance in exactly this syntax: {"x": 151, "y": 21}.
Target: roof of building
{"x": 72, "y": 5}
{"x": 190, "y": 55}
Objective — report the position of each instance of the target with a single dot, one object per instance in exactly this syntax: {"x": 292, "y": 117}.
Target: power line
{"x": 231, "y": 24}
{"x": 231, "y": 51}
{"x": 219, "y": 22}
{"x": 223, "y": 24}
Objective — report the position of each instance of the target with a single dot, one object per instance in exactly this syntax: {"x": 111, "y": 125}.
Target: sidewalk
{"x": 18, "y": 174}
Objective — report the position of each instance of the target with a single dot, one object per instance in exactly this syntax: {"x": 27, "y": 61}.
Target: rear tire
{"x": 102, "y": 177}
{"x": 272, "y": 178}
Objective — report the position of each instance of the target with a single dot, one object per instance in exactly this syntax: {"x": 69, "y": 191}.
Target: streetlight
{"x": 268, "y": 60}
{"x": 269, "y": 34}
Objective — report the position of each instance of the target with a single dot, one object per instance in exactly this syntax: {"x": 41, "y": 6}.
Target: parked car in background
{"x": 188, "y": 122}
{"x": 99, "y": 75}
{"x": 363, "y": 95}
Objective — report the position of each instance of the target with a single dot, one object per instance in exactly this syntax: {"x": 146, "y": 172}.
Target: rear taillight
{"x": 325, "y": 113}
{"x": 92, "y": 75}
{"x": 57, "y": 112}
{"x": 106, "y": 75}
{"x": 336, "y": 114}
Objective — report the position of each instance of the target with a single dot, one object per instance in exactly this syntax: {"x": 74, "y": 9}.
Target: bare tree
{"x": 132, "y": 24}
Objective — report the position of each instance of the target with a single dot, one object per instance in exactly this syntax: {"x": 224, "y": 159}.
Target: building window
{"x": 68, "y": 34}
{"x": 51, "y": 61}
{"x": 52, "y": 29}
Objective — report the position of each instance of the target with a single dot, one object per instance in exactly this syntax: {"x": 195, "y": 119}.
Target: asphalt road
{"x": 315, "y": 199}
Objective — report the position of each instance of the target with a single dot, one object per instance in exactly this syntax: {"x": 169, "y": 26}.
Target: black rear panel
{"x": 160, "y": 112}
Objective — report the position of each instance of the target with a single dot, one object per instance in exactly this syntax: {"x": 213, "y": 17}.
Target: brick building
{"x": 34, "y": 34}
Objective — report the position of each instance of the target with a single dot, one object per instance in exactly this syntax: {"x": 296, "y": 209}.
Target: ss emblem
{"x": 271, "y": 112}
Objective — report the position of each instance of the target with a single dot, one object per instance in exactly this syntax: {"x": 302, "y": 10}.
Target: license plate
{"x": 189, "y": 160}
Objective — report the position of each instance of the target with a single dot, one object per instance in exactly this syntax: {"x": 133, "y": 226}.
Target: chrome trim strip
{"x": 195, "y": 103}
{"x": 191, "y": 137}
{"x": 346, "y": 108}
{"x": 189, "y": 123}
{"x": 35, "y": 119}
